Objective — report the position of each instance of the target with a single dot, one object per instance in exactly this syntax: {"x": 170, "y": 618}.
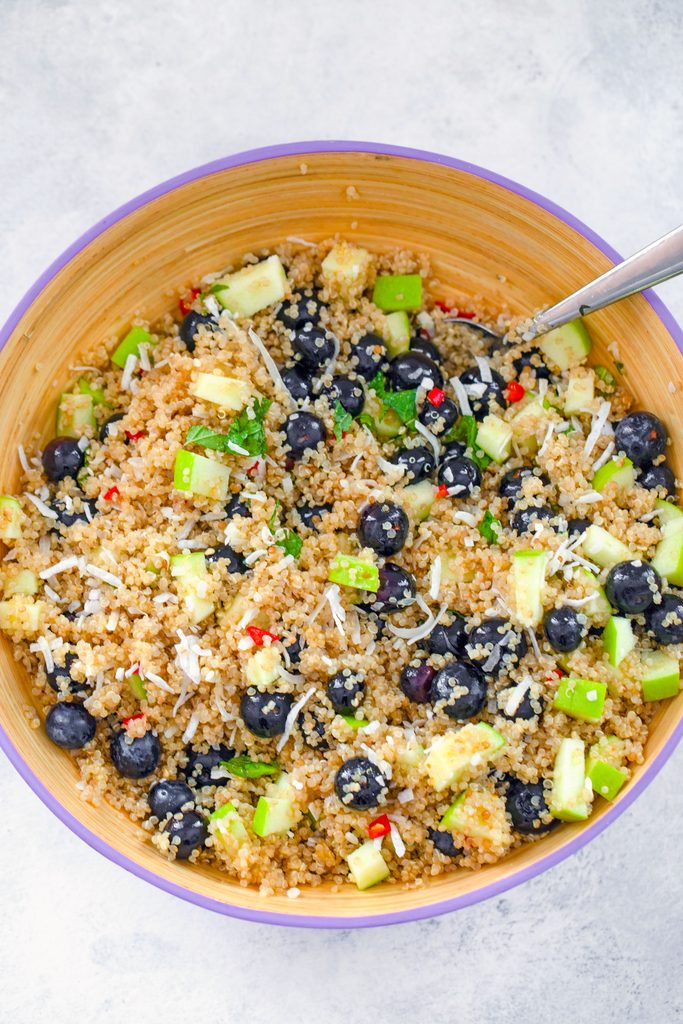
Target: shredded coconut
{"x": 399, "y": 845}
{"x": 269, "y": 363}
{"x": 484, "y": 369}
{"x": 43, "y": 647}
{"x": 597, "y": 428}
{"x": 603, "y": 458}
{"x": 62, "y": 566}
{"x": 191, "y": 727}
{"x": 44, "y": 509}
{"x": 461, "y": 395}
{"x": 292, "y": 717}
{"x": 415, "y": 633}
{"x": 431, "y": 440}
{"x": 435, "y": 578}
{"x": 104, "y": 575}
{"x": 128, "y": 371}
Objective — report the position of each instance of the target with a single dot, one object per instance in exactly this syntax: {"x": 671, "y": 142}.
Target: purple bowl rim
{"x": 271, "y": 917}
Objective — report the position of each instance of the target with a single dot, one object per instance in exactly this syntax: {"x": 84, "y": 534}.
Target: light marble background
{"x": 579, "y": 100}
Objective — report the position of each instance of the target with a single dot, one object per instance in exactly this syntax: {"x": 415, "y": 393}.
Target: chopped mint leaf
{"x": 246, "y": 432}
{"x": 342, "y": 420}
{"x": 402, "y": 402}
{"x": 490, "y": 527}
{"x": 243, "y": 767}
{"x": 291, "y": 543}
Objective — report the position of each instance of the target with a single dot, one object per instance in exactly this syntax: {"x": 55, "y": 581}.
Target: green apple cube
{"x": 566, "y": 346}
{"x": 618, "y": 639}
{"x": 86, "y": 388}
{"x": 417, "y": 500}
{"x": 579, "y": 394}
{"x": 667, "y": 511}
{"x": 668, "y": 557}
{"x": 24, "y": 582}
{"x": 411, "y": 753}
{"x": 397, "y": 333}
{"x": 75, "y": 413}
{"x": 253, "y": 288}
{"x": 525, "y": 423}
{"x": 137, "y": 686}
{"x": 277, "y": 811}
{"x": 661, "y": 675}
{"x": 130, "y": 346}
{"x": 604, "y": 548}
{"x": 605, "y": 779}
{"x": 189, "y": 563}
{"x": 228, "y": 392}
{"x": 598, "y": 607}
{"x": 583, "y": 699}
{"x": 21, "y": 612}
{"x": 528, "y": 585}
{"x": 494, "y": 437}
{"x": 355, "y": 723}
{"x": 11, "y": 518}
{"x": 454, "y": 754}
{"x": 227, "y": 822}
{"x": 199, "y": 475}
{"x": 349, "y": 571}
{"x": 618, "y": 471}
{"x": 572, "y": 794}
{"x": 344, "y": 266}
{"x": 475, "y": 814}
{"x": 384, "y": 423}
{"x": 398, "y": 292}
{"x": 367, "y": 866}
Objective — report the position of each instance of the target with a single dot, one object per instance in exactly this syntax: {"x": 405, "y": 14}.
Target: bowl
{"x": 486, "y": 235}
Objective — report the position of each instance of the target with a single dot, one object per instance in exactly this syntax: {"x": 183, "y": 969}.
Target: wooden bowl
{"x": 486, "y": 235}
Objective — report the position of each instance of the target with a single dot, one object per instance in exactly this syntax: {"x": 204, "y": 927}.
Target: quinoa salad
{"x": 334, "y": 574}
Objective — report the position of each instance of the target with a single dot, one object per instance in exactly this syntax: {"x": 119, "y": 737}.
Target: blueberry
{"x": 237, "y": 506}
{"x": 577, "y": 526}
{"x": 665, "y": 620}
{"x": 533, "y": 359}
{"x": 462, "y": 688}
{"x": 632, "y": 586}
{"x": 234, "y": 562}
{"x": 303, "y": 430}
{"x": 447, "y": 639}
{"x": 70, "y": 726}
{"x": 66, "y": 517}
{"x": 452, "y": 448}
{"x": 525, "y": 803}
{"x": 168, "y": 796}
{"x": 200, "y": 764}
{"x": 298, "y": 378}
{"x": 135, "y": 758}
{"x": 460, "y": 475}
{"x": 312, "y": 730}
{"x": 416, "y": 681}
{"x": 427, "y": 347}
{"x": 294, "y": 649}
{"x": 411, "y": 369}
{"x": 563, "y": 629}
{"x": 60, "y": 678}
{"x": 419, "y": 462}
{"x": 653, "y": 477}
{"x": 107, "y": 425}
{"x": 187, "y": 834}
{"x": 444, "y": 842}
{"x": 349, "y": 393}
{"x": 310, "y": 515}
{"x": 191, "y": 324}
{"x": 524, "y": 519}
{"x": 529, "y": 707}
{"x": 303, "y": 308}
{"x": 265, "y": 713}
{"x": 396, "y": 589}
{"x": 496, "y": 645}
{"x": 641, "y": 436}
{"x": 346, "y": 690}
{"x": 510, "y": 486}
{"x": 61, "y": 458}
{"x": 492, "y": 392}
{"x": 439, "y": 419}
{"x": 360, "y": 784}
{"x": 369, "y": 356}
{"x": 383, "y": 526}
{"x": 314, "y": 345}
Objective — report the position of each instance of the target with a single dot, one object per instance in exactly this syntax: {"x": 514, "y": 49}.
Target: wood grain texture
{"x": 475, "y": 231}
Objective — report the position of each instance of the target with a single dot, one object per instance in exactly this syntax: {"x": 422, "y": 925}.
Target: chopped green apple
{"x": 199, "y": 475}
{"x": 21, "y": 613}
{"x": 598, "y": 607}
{"x": 457, "y": 752}
{"x": 397, "y": 333}
{"x": 398, "y": 292}
{"x": 618, "y": 639}
{"x": 130, "y": 346}
{"x": 528, "y": 585}
{"x": 668, "y": 556}
{"x": 190, "y": 570}
{"x": 346, "y": 268}
{"x": 661, "y": 675}
{"x": 604, "y": 768}
{"x": 667, "y": 511}
{"x": 477, "y": 814}
{"x": 410, "y": 753}
{"x": 253, "y": 288}
{"x": 189, "y": 563}
{"x": 349, "y": 571}
{"x": 417, "y": 500}
{"x": 24, "y": 582}
{"x": 228, "y": 392}
{"x": 263, "y": 667}
{"x": 583, "y": 699}
{"x": 137, "y": 686}
{"x": 277, "y": 811}
{"x": 572, "y": 793}
{"x": 74, "y": 414}
{"x": 567, "y": 346}
{"x": 494, "y": 437}
{"x": 11, "y": 518}
{"x": 525, "y": 423}
{"x": 579, "y": 394}
{"x": 618, "y": 472}
{"x": 604, "y": 548}
{"x": 354, "y": 722}
{"x": 227, "y": 826}
{"x": 384, "y": 423}
{"x": 367, "y": 866}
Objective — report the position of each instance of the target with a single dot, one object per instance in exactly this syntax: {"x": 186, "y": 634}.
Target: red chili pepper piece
{"x": 136, "y": 436}
{"x": 555, "y": 673}
{"x": 112, "y": 493}
{"x": 445, "y": 307}
{"x": 465, "y": 314}
{"x": 132, "y": 718}
{"x": 514, "y": 392}
{"x": 259, "y": 635}
{"x": 186, "y": 304}
{"x": 442, "y": 491}
{"x": 254, "y": 468}
{"x": 436, "y": 396}
{"x": 379, "y": 827}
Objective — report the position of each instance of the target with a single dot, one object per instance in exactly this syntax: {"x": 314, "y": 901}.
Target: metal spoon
{"x": 657, "y": 262}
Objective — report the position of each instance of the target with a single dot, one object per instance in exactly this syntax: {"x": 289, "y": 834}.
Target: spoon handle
{"x": 655, "y": 263}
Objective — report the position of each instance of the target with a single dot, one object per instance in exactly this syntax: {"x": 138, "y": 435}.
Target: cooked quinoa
{"x": 410, "y": 614}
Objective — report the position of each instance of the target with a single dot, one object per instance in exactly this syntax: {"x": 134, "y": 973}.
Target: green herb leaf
{"x": 243, "y": 767}
{"x": 217, "y": 286}
{"x": 207, "y": 437}
{"x": 490, "y": 527}
{"x": 609, "y": 381}
{"x": 342, "y": 420}
{"x": 367, "y": 420}
{"x": 291, "y": 543}
{"x": 246, "y": 432}
{"x": 274, "y": 517}
{"x": 465, "y": 430}
{"x": 402, "y": 402}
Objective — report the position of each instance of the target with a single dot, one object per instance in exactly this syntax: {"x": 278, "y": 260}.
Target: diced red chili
{"x": 186, "y": 304}
{"x": 136, "y": 436}
{"x": 445, "y": 307}
{"x": 514, "y": 392}
{"x": 379, "y": 827}
{"x": 555, "y": 673}
{"x": 436, "y": 396}
{"x": 259, "y": 635}
{"x": 465, "y": 314}
{"x": 254, "y": 468}
{"x": 112, "y": 493}
{"x": 133, "y": 718}
{"x": 442, "y": 491}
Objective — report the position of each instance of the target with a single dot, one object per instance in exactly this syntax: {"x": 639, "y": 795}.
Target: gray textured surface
{"x": 578, "y": 100}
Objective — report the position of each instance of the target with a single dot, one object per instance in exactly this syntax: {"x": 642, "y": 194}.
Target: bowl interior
{"x": 483, "y": 238}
